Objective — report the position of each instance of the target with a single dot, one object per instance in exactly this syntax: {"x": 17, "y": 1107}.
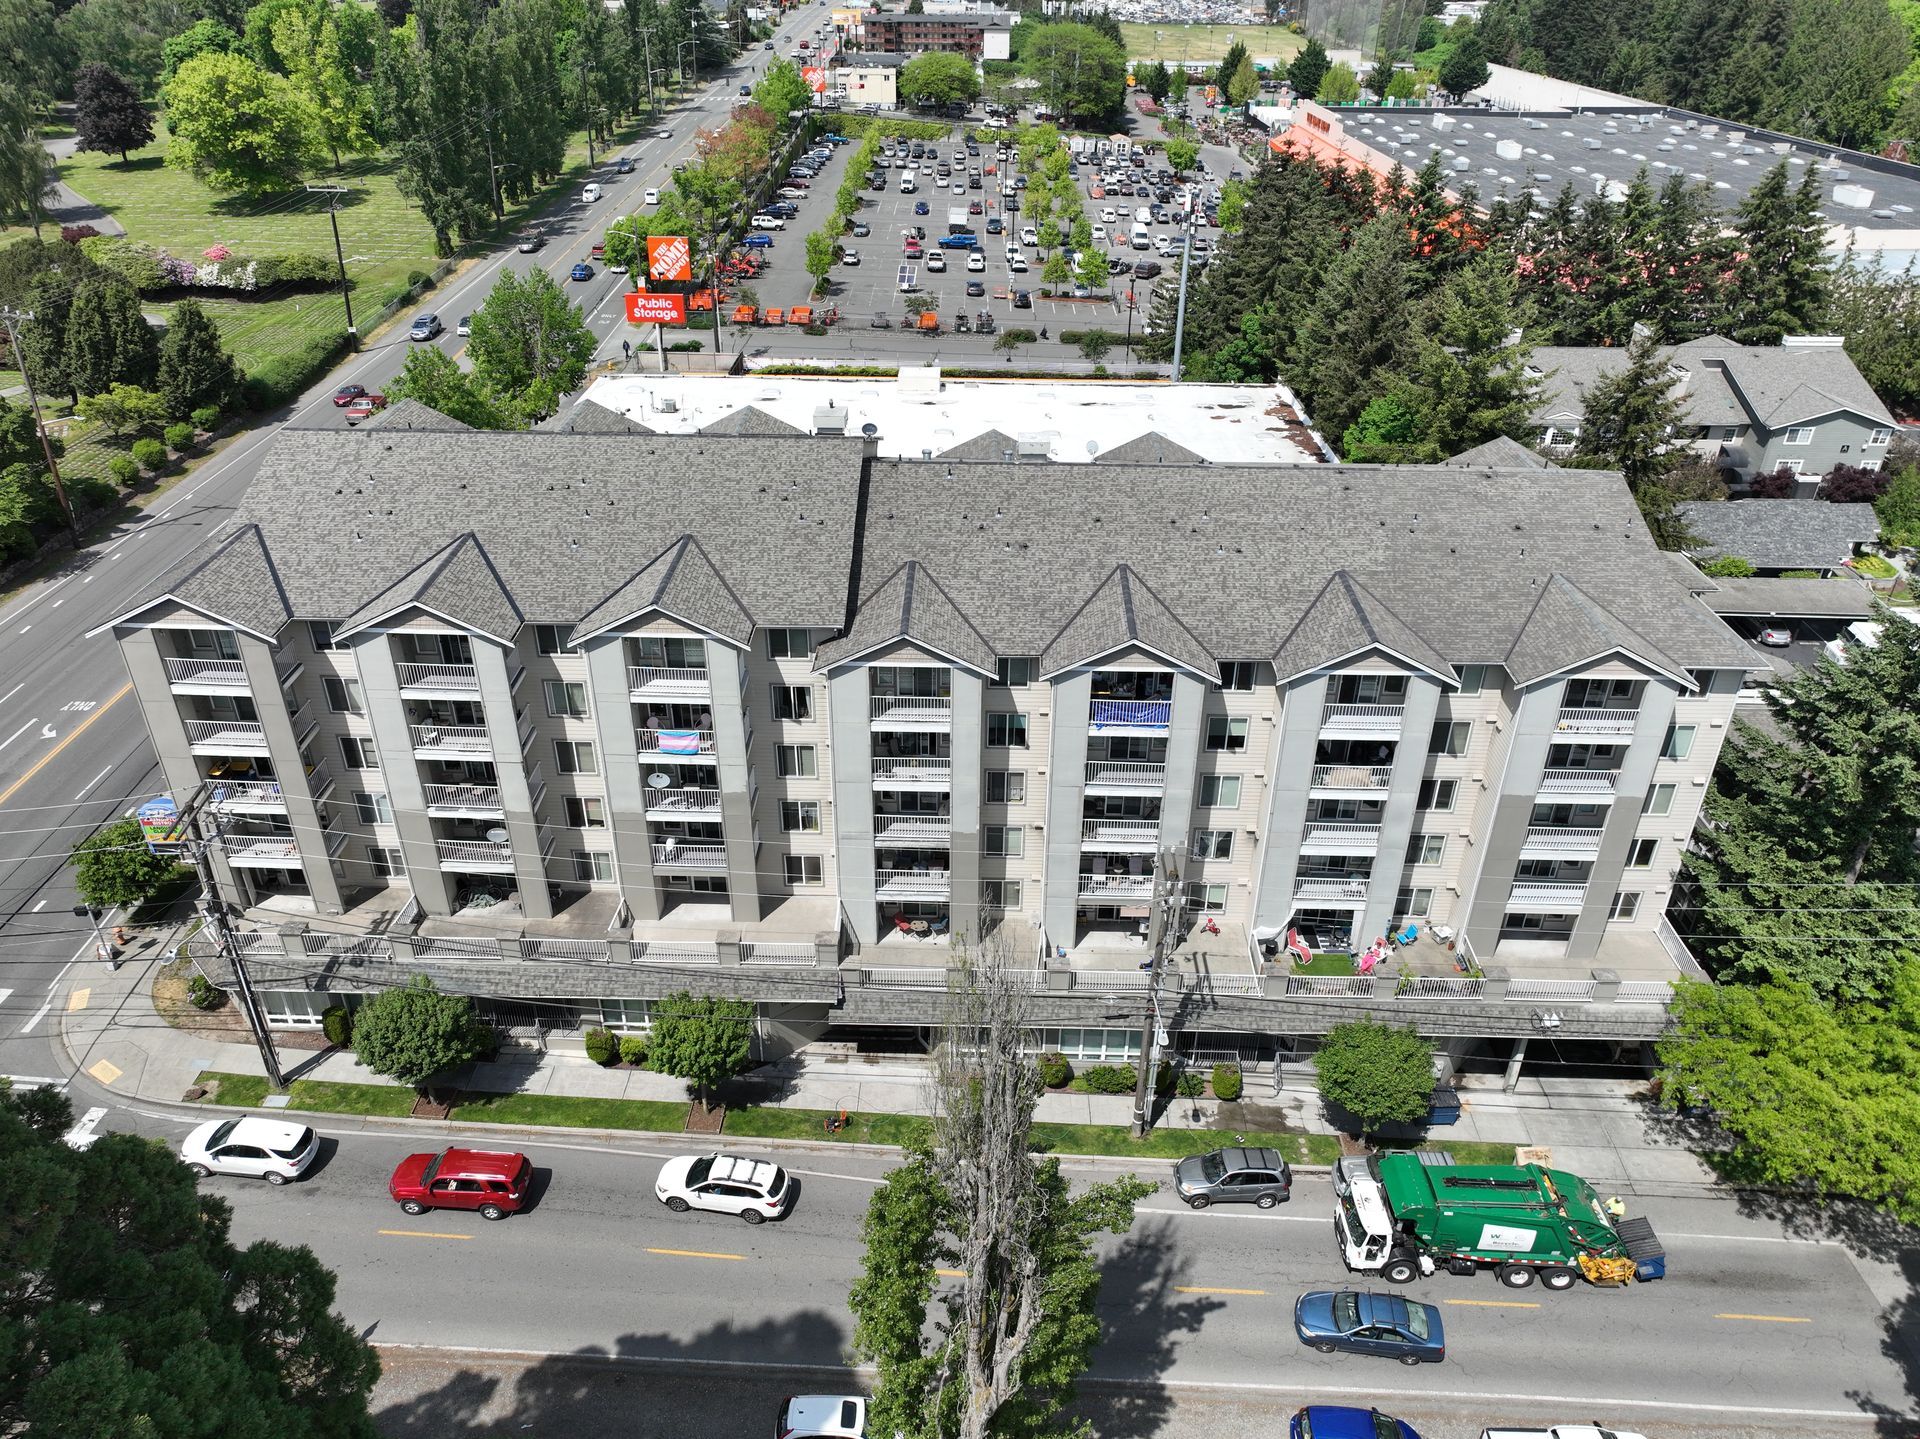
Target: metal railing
{"x": 683, "y": 800}
{"x": 1129, "y": 714}
{"x": 912, "y": 709}
{"x": 1579, "y": 782}
{"x": 1364, "y": 719}
{"x": 1329, "y": 986}
{"x": 1329, "y": 887}
{"x": 1597, "y": 721}
{"x": 690, "y": 856}
{"x": 647, "y": 952}
{"x": 228, "y": 674}
{"x": 923, "y": 769}
{"x": 247, "y": 794}
{"x": 1120, "y": 831}
{"x": 1438, "y": 986}
{"x": 785, "y": 954}
{"x": 230, "y": 732}
{"x": 463, "y": 796}
{"x": 1126, "y": 774}
{"x": 1551, "y": 991}
{"x": 900, "y": 883}
{"x": 474, "y": 851}
{"x": 1563, "y": 897}
{"x": 1547, "y": 840}
{"x": 1319, "y": 832}
{"x": 673, "y": 741}
{"x": 262, "y": 846}
{"x": 903, "y": 977}
{"x": 663, "y": 681}
{"x": 1116, "y": 886}
{"x": 913, "y": 828}
{"x": 465, "y": 738}
{"x": 1351, "y": 776}
{"x": 1644, "y": 991}
{"x": 465, "y": 678}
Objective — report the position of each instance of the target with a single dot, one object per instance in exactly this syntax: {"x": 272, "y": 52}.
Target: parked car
{"x": 364, "y": 408}
{"x": 920, "y": 207}
{"x": 861, "y": 229}
{"x": 1146, "y": 269}
{"x": 758, "y": 240}
{"x": 491, "y": 1182}
{"x": 963, "y": 241}
{"x": 976, "y": 288}
{"x": 465, "y": 327}
{"x": 1029, "y": 235}
{"x": 754, "y": 1189}
{"x": 1343, "y": 1421}
{"x": 531, "y": 241}
{"x": 995, "y": 227}
{"x": 426, "y": 327}
{"x": 976, "y": 261}
{"x": 269, "y": 1149}
{"x": 591, "y": 193}
{"x": 347, "y": 394}
{"x": 850, "y": 257}
{"x": 1363, "y": 1322}
{"x": 791, "y": 192}
{"x": 1776, "y": 636}
{"x": 746, "y": 89}
{"x": 1022, "y": 300}
{"x": 1233, "y": 1176}
{"x": 835, "y": 1416}
{"x": 580, "y": 271}
{"x": 1018, "y": 264}
{"x": 785, "y": 209}
{"x": 768, "y": 222}
{"x": 880, "y": 321}
{"x": 936, "y": 263}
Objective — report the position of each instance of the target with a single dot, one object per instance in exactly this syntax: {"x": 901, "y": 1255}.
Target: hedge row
{"x": 282, "y": 379}
{"x": 150, "y": 269}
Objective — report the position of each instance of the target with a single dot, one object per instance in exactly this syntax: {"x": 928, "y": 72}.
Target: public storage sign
{"x": 644, "y": 308}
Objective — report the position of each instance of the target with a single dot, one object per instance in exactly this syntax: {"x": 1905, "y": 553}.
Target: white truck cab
{"x": 1561, "y": 1431}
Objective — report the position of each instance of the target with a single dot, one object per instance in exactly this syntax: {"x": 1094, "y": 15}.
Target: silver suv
{"x": 1233, "y": 1176}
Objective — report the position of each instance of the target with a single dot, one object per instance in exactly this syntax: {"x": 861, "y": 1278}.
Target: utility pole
{"x": 493, "y": 170}
{"x": 13, "y": 319}
{"x": 1180, "y": 310}
{"x": 1165, "y": 906}
{"x": 586, "y": 107}
{"x": 213, "y": 907}
{"x": 334, "y": 192}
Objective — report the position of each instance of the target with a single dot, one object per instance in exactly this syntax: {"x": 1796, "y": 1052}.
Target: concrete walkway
{"x": 109, "y": 1028}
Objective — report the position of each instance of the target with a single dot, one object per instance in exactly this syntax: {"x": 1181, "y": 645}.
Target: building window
{"x": 320, "y": 632}
{"x": 372, "y": 808}
{"x": 1798, "y": 435}
{"x": 1641, "y": 855}
{"x": 1000, "y": 893}
{"x": 1730, "y": 432}
{"x": 796, "y": 761}
{"x": 1238, "y": 674}
{"x": 566, "y": 698}
{"x": 585, "y": 813}
{"x": 548, "y": 640}
{"x": 1007, "y": 731}
{"x": 1880, "y": 436}
{"x": 1792, "y": 467}
{"x": 793, "y": 702}
{"x": 1450, "y": 737}
{"x": 805, "y": 869}
{"x": 357, "y": 753}
{"x": 1659, "y": 799}
{"x": 1207, "y": 898}
{"x": 1009, "y": 673}
{"x": 1224, "y": 732}
{"x": 789, "y": 644}
{"x": 1006, "y": 786}
{"x": 1558, "y": 439}
{"x": 1626, "y": 905}
{"x": 1094, "y": 1045}
{"x": 343, "y": 696}
{"x": 1009, "y": 841}
{"x": 1427, "y": 849}
{"x": 1437, "y": 794}
{"x": 1473, "y": 678}
{"x": 800, "y": 816}
{"x": 592, "y": 866}
{"x": 1679, "y": 742}
{"x": 575, "y": 756}
{"x": 1413, "y": 903}
{"x": 1219, "y": 791}
{"x": 385, "y": 861}
{"x": 1212, "y": 844}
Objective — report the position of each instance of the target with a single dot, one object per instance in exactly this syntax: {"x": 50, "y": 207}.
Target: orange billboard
{"x": 669, "y": 257}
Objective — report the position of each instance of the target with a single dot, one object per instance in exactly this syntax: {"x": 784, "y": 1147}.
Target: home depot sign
{"x": 646, "y": 308}
{"x": 669, "y": 257}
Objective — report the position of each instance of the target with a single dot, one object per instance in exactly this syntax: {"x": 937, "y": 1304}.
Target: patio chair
{"x": 940, "y": 925}
{"x": 902, "y": 924}
{"x": 1408, "y": 935}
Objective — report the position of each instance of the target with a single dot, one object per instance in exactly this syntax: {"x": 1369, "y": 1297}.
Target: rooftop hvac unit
{"x": 1507, "y": 149}
{"x": 829, "y": 420}
{"x": 1854, "y": 197}
{"x": 666, "y": 404}
{"x": 1592, "y": 142}
{"x": 1443, "y": 123}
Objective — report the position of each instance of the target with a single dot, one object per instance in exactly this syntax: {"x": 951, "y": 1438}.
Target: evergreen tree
{"x": 1838, "y": 71}
{"x": 1154, "y": 79}
{"x": 1380, "y": 77}
{"x": 1465, "y": 69}
{"x": 1469, "y": 381}
{"x": 195, "y": 368}
{"x": 1289, "y": 237}
{"x": 1686, "y": 255}
{"x": 1631, "y": 423}
{"x": 1879, "y": 314}
{"x": 1230, "y": 62}
{"x": 1781, "y": 284}
{"x": 108, "y": 340}
{"x": 1155, "y": 342}
{"x": 108, "y": 113}
{"x": 1358, "y": 335}
{"x": 1308, "y": 69}
{"x": 429, "y": 95}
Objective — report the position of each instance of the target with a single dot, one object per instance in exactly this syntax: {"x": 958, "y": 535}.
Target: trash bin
{"x": 1445, "y": 1105}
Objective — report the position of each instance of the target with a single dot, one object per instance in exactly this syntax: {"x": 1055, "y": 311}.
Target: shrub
{"x": 283, "y": 378}
{"x": 207, "y": 417}
{"x": 74, "y": 234}
{"x": 1055, "y": 1072}
{"x": 633, "y": 1050}
{"x": 204, "y": 994}
{"x": 1728, "y": 567}
{"x": 87, "y": 494}
{"x": 1108, "y": 1079}
{"x": 602, "y": 1046}
{"x": 1190, "y": 1085}
{"x": 336, "y": 1022}
{"x": 1163, "y": 1078}
{"x": 486, "y": 1041}
{"x": 179, "y": 436}
{"x": 151, "y": 454}
{"x": 1227, "y": 1082}
{"x": 1874, "y": 567}
{"x": 125, "y": 469}
{"x": 1799, "y": 574}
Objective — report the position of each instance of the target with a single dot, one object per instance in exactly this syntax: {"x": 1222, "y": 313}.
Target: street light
{"x": 683, "y": 46}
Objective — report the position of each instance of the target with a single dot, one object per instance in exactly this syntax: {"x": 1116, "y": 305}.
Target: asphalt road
{"x": 1757, "y": 1329}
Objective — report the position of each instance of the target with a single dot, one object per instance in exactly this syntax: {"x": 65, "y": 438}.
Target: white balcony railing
{"x": 1349, "y": 889}
{"x": 1550, "y": 843}
{"x": 907, "y": 829}
{"x": 263, "y": 851}
{"x": 913, "y": 883}
{"x": 1126, "y": 775}
{"x": 1325, "y": 837}
{"x": 462, "y": 739}
{"x": 440, "y": 679}
{"x": 1116, "y": 887}
{"x": 248, "y": 796}
{"x": 1368, "y": 721}
{"x": 1610, "y": 722}
{"x": 1532, "y": 898}
{"x": 476, "y": 854}
{"x": 1591, "y": 785}
{"x": 918, "y": 770}
{"x": 683, "y": 800}
{"x": 1121, "y": 834}
{"x": 661, "y": 682}
{"x": 1351, "y": 776}
{"x": 226, "y": 737}
{"x": 464, "y": 799}
{"x": 911, "y": 711}
{"x": 676, "y": 854}
{"x": 673, "y": 741}
{"x": 223, "y": 675}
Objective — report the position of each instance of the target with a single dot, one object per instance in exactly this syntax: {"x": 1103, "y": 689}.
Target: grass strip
{"x": 569, "y": 1111}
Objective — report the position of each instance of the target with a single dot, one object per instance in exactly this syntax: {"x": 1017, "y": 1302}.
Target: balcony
{"x": 913, "y": 884}
{"x": 1331, "y": 889}
{"x": 918, "y": 772}
{"x": 1362, "y": 721}
{"x": 1350, "y": 779}
{"x": 222, "y": 737}
{"x": 207, "y": 677}
{"x": 1149, "y": 718}
{"x": 1552, "y": 843}
{"x": 673, "y": 741}
{"x": 457, "y": 682}
{"x": 911, "y": 712}
{"x": 1122, "y": 836}
{"x": 262, "y": 851}
{"x": 680, "y": 801}
{"x": 1530, "y": 898}
{"x": 248, "y": 796}
{"x": 475, "y": 856}
{"x": 1116, "y": 888}
{"x": 912, "y": 829}
{"x": 1125, "y": 777}
{"x": 465, "y": 801}
{"x": 1589, "y": 786}
{"x": 1330, "y": 837}
{"x": 655, "y": 682}
{"x": 1615, "y": 724}
{"x": 701, "y": 858}
{"x": 451, "y": 741}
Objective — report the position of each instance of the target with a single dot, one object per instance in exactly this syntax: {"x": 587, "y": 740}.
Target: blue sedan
{"x": 920, "y": 207}
{"x": 1343, "y": 1421}
{"x": 582, "y": 271}
{"x": 1366, "y": 1323}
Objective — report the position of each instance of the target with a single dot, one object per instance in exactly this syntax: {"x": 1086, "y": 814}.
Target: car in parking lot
{"x": 785, "y": 209}
{"x": 974, "y": 207}
{"x": 491, "y": 1182}
{"x": 1029, "y": 236}
{"x": 768, "y": 222}
{"x": 1773, "y": 636}
{"x": 581, "y": 271}
{"x": 269, "y": 1149}
{"x": 920, "y": 207}
{"x": 1229, "y": 1176}
{"x": 1119, "y": 267}
{"x": 976, "y": 261}
{"x": 1018, "y": 263}
{"x": 936, "y": 263}
{"x": 1363, "y": 1322}
{"x": 995, "y": 226}
{"x": 426, "y": 327}
{"x": 1022, "y": 300}
{"x": 880, "y": 321}
{"x": 824, "y": 1416}
{"x": 1343, "y": 1421}
{"x": 791, "y": 192}
{"x": 754, "y": 1189}
{"x": 849, "y": 257}
{"x": 758, "y": 240}
{"x": 1109, "y": 216}
{"x": 965, "y": 240}
{"x": 861, "y": 229}
{"x": 1146, "y": 269}
{"x": 1100, "y": 236}
{"x": 976, "y": 288}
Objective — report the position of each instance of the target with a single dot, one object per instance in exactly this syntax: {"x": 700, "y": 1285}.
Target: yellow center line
{"x": 1200, "y": 1289}
{"x": 1494, "y": 1303}
{"x": 697, "y": 1254}
{"x": 72, "y": 735}
{"x": 421, "y": 1234}
{"x": 1766, "y": 1318}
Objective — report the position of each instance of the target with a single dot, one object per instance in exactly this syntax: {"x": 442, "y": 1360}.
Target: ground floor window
{"x": 297, "y": 1008}
{"x": 628, "y": 1016}
{"x": 1094, "y": 1046}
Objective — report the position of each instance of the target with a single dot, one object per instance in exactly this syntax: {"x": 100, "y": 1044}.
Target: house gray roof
{"x": 1565, "y": 622}
{"x": 753, "y": 422}
{"x": 1345, "y": 619}
{"x": 1500, "y": 452}
{"x": 589, "y": 418}
{"x": 1844, "y": 598}
{"x": 1122, "y": 611}
{"x": 1151, "y": 448}
{"x": 910, "y": 604}
{"x": 459, "y": 584}
{"x": 1780, "y": 534}
{"x": 988, "y": 445}
{"x": 234, "y": 578}
{"x": 412, "y": 415}
{"x": 680, "y": 581}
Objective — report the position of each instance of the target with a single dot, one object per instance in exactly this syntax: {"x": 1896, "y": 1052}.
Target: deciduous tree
{"x": 821, "y": 250}
{"x": 939, "y": 78}
{"x": 1378, "y": 1073}
{"x": 236, "y": 126}
{"x": 415, "y": 1033}
{"x": 198, "y": 38}
{"x": 109, "y": 113}
{"x": 701, "y": 1039}
{"x": 529, "y": 343}
{"x": 314, "y": 61}
{"x": 124, "y": 410}
{"x": 431, "y": 376}
{"x": 114, "y": 869}
{"x": 1081, "y": 72}
{"x": 1341, "y": 86}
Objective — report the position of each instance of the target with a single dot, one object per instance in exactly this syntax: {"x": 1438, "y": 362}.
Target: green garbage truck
{"x": 1399, "y": 1216}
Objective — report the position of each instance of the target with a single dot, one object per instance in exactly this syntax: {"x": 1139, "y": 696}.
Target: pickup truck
{"x": 1561, "y": 1431}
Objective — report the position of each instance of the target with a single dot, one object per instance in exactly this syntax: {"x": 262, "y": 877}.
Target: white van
{"x": 1141, "y": 239}
{"x": 1143, "y": 215}
{"x": 907, "y": 187}
{"x": 590, "y": 194}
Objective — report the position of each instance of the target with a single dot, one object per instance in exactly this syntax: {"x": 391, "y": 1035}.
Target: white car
{"x": 960, "y": 188}
{"x": 768, "y": 222}
{"x": 1029, "y": 235}
{"x": 1018, "y": 264}
{"x": 976, "y": 261}
{"x": 1109, "y": 215}
{"x": 269, "y": 1149}
{"x": 755, "y": 1189}
{"x": 651, "y": 197}
{"x": 590, "y": 194}
{"x": 1099, "y": 234}
{"x": 838, "y": 1416}
{"x": 936, "y": 263}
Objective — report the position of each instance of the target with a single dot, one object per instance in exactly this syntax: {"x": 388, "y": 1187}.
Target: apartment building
{"x": 984, "y": 35}
{"x": 577, "y": 716}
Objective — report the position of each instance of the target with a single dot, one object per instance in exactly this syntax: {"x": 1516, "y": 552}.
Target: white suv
{"x": 768, "y": 222}
{"x": 840, "y": 1416}
{"x": 269, "y": 1149}
{"x": 754, "y": 1189}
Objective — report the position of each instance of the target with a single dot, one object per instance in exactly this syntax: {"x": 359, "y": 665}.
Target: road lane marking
{"x": 420, "y": 1234}
{"x": 38, "y": 907}
{"x": 1493, "y": 1303}
{"x": 697, "y": 1254}
{"x": 105, "y": 1071}
{"x": 17, "y": 733}
{"x": 12, "y": 692}
{"x": 1203, "y": 1289}
{"x": 78, "y": 1000}
{"x": 72, "y": 735}
{"x": 1766, "y": 1318}
{"x": 5, "y": 995}
{"x": 92, "y": 782}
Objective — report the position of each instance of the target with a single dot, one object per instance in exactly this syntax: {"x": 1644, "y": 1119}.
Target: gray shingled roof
{"x": 680, "y": 581}
{"x": 591, "y": 418}
{"x": 412, "y": 415}
{"x": 1500, "y": 453}
{"x": 1781, "y": 534}
{"x": 1843, "y": 598}
{"x": 231, "y": 578}
{"x": 459, "y": 583}
{"x": 1565, "y": 622}
{"x": 1122, "y": 611}
{"x": 990, "y": 445}
{"x": 753, "y": 422}
{"x": 1152, "y": 448}
{"x": 910, "y": 605}
{"x": 1346, "y": 619}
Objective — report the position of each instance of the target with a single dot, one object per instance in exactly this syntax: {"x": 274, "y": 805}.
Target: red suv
{"x": 492, "y": 1181}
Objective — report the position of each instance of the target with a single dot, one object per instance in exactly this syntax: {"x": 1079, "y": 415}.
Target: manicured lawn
{"x": 383, "y": 1101}
{"x": 1111, "y": 1139}
{"x": 778, "y": 1123}
{"x": 1209, "y": 42}
{"x": 565, "y": 1111}
{"x": 1330, "y": 963}
{"x": 245, "y": 1091}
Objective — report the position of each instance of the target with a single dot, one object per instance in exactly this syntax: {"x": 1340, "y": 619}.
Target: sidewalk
{"x": 111, "y": 1030}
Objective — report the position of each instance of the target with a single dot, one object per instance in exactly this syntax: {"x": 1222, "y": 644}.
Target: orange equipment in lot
{"x": 774, "y": 317}
{"x": 929, "y": 323}
{"x": 800, "y": 315}
{"x": 745, "y": 314}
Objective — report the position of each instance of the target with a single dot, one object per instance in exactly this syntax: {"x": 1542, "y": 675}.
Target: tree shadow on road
{"x": 1146, "y": 1315}
{"x": 1900, "y": 1343}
